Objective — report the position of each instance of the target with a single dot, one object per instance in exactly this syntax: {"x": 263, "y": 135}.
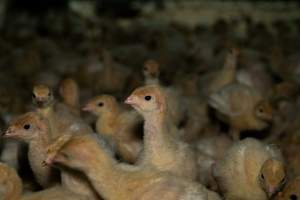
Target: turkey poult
{"x": 162, "y": 145}
{"x": 34, "y": 130}
{"x": 116, "y": 181}
{"x": 250, "y": 170}
{"x": 119, "y": 126}
{"x": 242, "y": 107}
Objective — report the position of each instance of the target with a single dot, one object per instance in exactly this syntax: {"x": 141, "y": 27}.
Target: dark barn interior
{"x": 149, "y": 99}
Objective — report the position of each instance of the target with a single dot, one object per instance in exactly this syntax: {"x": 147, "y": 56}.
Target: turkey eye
{"x": 100, "y": 104}
{"x": 26, "y": 126}
{"x": 262, "y": 177}
{"x": 293, "y": 197}
{"x": 33, "y": 95}
{"x": 147, "y": 98}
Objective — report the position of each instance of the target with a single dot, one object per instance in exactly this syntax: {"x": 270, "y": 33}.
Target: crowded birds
{"x": 33, "y": 130}
{"x": 63, "y": 125}
{"x": 162, "y": 145}
{"x": 11, "y": 188}
{"x": 115, "y": 181}
{"x": 205, "y": 98}
{"x": 43, "y": 99}
{"x": 250, "y": 170}
{"x": 242, "y": 107}
{"x": 63, "y": 122}
{"x": 118, "y": 125}
{"x": 59, "y": 115}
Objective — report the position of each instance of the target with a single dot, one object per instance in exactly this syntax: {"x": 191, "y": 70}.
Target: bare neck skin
{"x": 42, "y": 139}
{"x": 107, "y": 122}
{"x": 158, "y": 141}
{"x": 39, "y": 144}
